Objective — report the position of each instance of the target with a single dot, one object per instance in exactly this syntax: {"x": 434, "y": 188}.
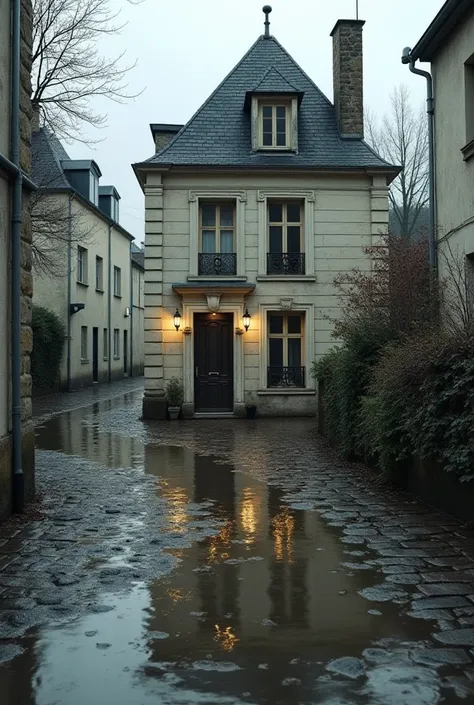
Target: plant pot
{"x": 173, "y": 412}
{"x": 251, "y": 411}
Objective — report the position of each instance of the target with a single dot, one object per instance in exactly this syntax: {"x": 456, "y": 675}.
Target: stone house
{"x": 17, "y": 438}
{"x": 252, "y": 208}
{"x": 448, "y": 44}
{"x": 89, "y": 274}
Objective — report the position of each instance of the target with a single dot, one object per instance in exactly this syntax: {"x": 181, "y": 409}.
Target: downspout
{"x": 109, "y": 313}
{"x": 407, "y": 59}
{"x": 18, "y": 480}
{"x": 69, "y": 293}
{"x": 131, "y": 310}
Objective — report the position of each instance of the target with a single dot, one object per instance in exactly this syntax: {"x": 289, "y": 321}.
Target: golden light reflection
{"x": 178, "y": 500}
{"x": 249, "y": 514}
{"x": 226, "y": 638}
{"x": 283, "y": 527}
{"x": 178, "y": 595}
{"x": 220, "y": 543}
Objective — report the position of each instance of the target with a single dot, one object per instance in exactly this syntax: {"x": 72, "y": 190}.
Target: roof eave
{"x": 447, "y": 19}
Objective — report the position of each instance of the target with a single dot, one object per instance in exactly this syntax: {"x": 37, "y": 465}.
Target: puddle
{"x": 268, "y": 609}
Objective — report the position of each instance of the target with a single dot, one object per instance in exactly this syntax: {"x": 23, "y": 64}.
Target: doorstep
{"x": 214, "y": 415}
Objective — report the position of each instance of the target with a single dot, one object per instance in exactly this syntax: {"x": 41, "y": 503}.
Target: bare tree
{"x": 68, "y": 69}
{"x": 457, "y": 270}
{"x": 402, "y": 139}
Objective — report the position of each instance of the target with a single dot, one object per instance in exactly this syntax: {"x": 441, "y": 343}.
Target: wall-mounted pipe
{"x": 69, "y": 293}
{"x": 109, "y": 311}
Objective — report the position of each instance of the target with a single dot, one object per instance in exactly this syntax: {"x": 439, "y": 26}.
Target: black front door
{"x": 95, "y": 354}
{"x": 213, "y": 362}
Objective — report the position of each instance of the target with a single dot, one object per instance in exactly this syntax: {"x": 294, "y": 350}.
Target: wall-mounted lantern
{"x": 127, "y": 312}
{"x": 246, "y": 319}
{"x": 177, "y": 319}
{"x": 75, "y": 308}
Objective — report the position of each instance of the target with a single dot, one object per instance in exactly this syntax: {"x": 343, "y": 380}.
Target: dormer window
{"x": 274, "y": 122}
{"x": 93, "y": 188}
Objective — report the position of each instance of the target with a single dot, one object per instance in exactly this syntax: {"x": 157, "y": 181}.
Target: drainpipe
{"x": 131, "y": 310}
{"x": 109, "y": 313}
{"x": 18, "y": 484}
{"x": 407, "y": 59}
{"x": 69, "y": 292}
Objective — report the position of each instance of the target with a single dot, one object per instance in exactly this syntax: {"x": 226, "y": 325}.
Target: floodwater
{"x": 260, "y": 610}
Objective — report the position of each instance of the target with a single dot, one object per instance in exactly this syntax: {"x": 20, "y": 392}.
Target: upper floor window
{"x": 82, "y": 265}
{"x": 117, "y": 281}
{"x": 93, "y": 188}
{"x": 115, "y": 210}
{"x": 285, "y": 238}
{"x": 469, "y": 103}
{"x": 217, "y": 239}
{"x": 99, "y": 274}
{"x": 274, "y": 123}
{"x": 84, "y": 344}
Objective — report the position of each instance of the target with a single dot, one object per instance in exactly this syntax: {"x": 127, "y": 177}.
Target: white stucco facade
{"x": 342, "y": 215}
{"x": 100, "y": 342}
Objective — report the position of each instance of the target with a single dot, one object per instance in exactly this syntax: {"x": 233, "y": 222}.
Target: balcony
{"x": 285, "y": 377}
{"x": 285, "y": 263}
{"x": 217, "y": 264}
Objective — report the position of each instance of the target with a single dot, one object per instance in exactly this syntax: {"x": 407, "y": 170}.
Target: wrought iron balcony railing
{"x": 217, "y": 263}
{"x": 285, "y": 376}
{"x": 285, "y": 263}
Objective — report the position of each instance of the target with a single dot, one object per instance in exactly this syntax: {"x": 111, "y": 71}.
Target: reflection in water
{"x": 249, "y": 515}
{"x": 226, "y": 638}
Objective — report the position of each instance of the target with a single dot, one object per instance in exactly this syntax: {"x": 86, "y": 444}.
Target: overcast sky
{"x": 185, "y": 48}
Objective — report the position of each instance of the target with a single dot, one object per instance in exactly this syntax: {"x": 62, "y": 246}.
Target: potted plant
{"x": 174, "y": 397}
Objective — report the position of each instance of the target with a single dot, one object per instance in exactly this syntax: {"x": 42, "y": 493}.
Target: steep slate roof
{"x": 219, "y": 133}
{"x": 274, "y": 82}
{"x": 47, "y": 153}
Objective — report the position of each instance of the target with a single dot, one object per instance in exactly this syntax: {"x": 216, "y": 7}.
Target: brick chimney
{"x": 348, "y": 77}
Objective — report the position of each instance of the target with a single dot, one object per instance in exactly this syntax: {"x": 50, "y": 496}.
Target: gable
{"x": 219, "y": 134}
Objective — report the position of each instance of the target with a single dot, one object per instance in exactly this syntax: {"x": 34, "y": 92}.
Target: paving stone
{"x": 424, "y": 544}
{"x": 347, "y": 666}
{"x": 382, "y": 593}
{"x": 432, "y": 589}
{"x": 458, "y": 637}
{"x": 404, "y": 578}
{"x": 453, "y": 576}
{"x": 434, "y": 603}
{"x": 431, "y": 614}
{"x": 440, "y": 657}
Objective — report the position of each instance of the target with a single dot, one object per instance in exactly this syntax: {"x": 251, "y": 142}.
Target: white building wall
{"x": 346, "y": 213}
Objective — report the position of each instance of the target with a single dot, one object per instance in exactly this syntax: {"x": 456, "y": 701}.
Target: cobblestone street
{"x": 224, "y": 561}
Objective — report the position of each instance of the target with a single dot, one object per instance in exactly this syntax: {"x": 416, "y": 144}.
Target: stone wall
{"x": 349, "y": 77}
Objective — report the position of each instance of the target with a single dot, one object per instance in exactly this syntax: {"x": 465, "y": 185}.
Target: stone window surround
{"x": 309, "y": 199}
{"x": 189, "y": 308}
{"x": 281, "y": 306}
{"x": 292, "y": 103}
{"x": 240, "y": 198}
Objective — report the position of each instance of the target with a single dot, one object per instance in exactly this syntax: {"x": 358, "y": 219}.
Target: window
{"x": 116, "y": 343}
{"x": 115, "y": 210}
{"x": 217, "y": 239}
{"x": 285, "y": 350}
{"x": 285, "y": 238}
{"x": 99, "y": 274}
{"x": 106, "y": 344}
{"x": 82, "y": 265}
{"x": 117, "y": 281}
{"x": 84, "y": 351}
{"x": 93, "y": 189}
{"x": 274, "y": 125}
{"x": 469, "y": 98}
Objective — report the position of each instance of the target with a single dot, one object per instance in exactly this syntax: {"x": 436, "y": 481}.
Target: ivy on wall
{"x": 48, "y": 345}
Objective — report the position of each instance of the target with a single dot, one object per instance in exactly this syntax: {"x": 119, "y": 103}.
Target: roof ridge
{"x": 208, "y": 100}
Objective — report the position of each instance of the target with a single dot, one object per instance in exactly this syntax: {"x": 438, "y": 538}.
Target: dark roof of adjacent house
{"x": 219, "y": 134}
{"x": 50, "y": 164}
{"x": 138, "y": 259}
{"x": 448, "y": 18}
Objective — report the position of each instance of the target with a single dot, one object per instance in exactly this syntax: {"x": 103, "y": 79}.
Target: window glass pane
{"x": 275, "y": 323}
{"x": 275, "y": 244}
{"x": 276, "y": 352}
{"x": 267, "y": 111}
{"x": 281, "y": 111}
{"x": 267, "y": 139}
{"x": 293, "y": 213}
{"x": 227, "y": 240}
{"x": 281, "y": 139}
{"x": 294, "y": 324}
{"x": 293, "y": 238}
{"x": 227, "y": 216}
{"x": 208, "y": 212}
{"x": 208, "y": 241}
{"x": 294, "y": 352}
{"x": 275, "y": 213}
{"x": 281, "y": 125}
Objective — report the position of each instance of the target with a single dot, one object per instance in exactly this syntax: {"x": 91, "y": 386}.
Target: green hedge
{"x": 48, "y": 344}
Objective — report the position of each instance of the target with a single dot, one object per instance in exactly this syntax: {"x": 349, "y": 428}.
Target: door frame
{"x": 189, "y": 309}
{"x": 206, "y": 319}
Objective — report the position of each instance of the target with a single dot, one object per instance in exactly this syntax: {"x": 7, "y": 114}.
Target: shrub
{"x": 174, "y": 392}
{"x": 48, "y": 345}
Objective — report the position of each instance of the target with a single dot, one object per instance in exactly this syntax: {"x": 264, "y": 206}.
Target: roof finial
{"x": 267, "y": 9}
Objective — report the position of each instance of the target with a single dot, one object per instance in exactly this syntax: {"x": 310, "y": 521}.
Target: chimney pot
{"x": 348, "y": 74}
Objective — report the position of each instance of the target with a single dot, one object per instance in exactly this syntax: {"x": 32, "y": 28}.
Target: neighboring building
{"x": 138, "y": 311}
{"x": 448, "y": 44}
{"x": 255, "y": 205}
{"x": 7, "y": 179}
{"x": 87, "y": 278}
